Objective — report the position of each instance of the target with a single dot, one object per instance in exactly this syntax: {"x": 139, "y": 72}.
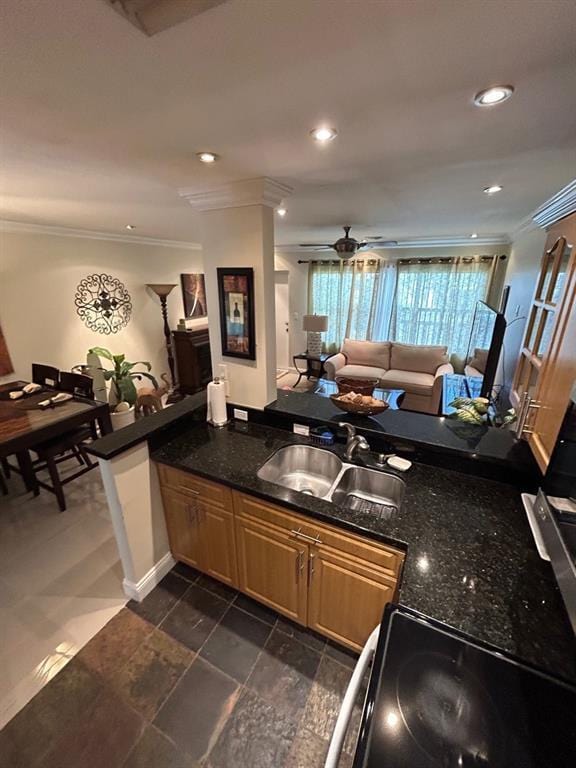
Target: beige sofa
{"x": 418, "y": 370}
{"x": 477, "y": 363}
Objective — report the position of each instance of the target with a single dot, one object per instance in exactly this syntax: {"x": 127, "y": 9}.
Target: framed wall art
{"x": 236, "y": 295}
{"x": 194, "y": 295}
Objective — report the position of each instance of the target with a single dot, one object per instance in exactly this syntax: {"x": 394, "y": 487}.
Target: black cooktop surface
{"x": 438, "y": 699}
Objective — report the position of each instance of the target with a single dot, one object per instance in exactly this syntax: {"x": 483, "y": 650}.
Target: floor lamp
{"x": 162, "y": 290}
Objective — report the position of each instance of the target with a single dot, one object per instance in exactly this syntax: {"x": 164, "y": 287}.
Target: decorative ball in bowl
{"x": 346, "y": 384}
{"x": 362, "y": 405}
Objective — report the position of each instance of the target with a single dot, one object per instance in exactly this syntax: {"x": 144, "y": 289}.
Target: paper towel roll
{"x": 216, "y": 400}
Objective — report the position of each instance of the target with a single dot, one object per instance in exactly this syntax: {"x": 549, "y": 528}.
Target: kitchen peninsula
{"x": 470, "y": 560}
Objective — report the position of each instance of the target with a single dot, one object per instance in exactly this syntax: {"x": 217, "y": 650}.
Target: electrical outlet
{"x": 301, "y": 429}
{"x": 240, "y": 414}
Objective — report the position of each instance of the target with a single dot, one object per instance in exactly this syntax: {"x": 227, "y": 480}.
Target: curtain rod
{"x": 431, "y": 260}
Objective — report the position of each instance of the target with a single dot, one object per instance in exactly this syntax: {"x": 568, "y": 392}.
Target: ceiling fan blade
{"x": 379, "y": 244}
{"x": 315, "y": 245}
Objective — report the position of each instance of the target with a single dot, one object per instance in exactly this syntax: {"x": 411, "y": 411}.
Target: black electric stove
{"x": 440, "y": 699}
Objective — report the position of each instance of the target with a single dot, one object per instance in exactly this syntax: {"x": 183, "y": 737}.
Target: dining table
{"x": 25, "y": 424}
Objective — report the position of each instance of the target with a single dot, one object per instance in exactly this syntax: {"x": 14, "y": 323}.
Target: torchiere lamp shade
{"x": 161, "y": 289}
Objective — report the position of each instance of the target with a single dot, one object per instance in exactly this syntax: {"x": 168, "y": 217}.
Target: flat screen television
{"x": 484, "y": 346}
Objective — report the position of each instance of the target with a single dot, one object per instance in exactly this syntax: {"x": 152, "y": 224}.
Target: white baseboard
{"x": 139, "y": 590}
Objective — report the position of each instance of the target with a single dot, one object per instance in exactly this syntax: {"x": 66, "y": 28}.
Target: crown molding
{"x": 238, "y": 194}
{"x": 561, "y": 204}
{"x": 418, "y": 242}
{"x": 88, "y": 234}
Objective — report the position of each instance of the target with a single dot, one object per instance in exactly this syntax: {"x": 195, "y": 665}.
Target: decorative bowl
{"x": 346, "y": 384}
{"x": 359, "y": 408}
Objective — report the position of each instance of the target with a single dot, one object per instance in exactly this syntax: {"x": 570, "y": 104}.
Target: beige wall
{"x": 38, "y": 278}
{"x": 521, "y": 276}
{"x": 243, "y": 237}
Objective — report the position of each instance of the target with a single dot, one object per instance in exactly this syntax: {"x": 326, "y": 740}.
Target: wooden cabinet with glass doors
{"x": 547, "y": 366}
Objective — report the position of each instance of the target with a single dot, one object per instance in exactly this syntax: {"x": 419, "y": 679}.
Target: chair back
{"x": 45, "y": 375}
{"x": 76, "y": 384}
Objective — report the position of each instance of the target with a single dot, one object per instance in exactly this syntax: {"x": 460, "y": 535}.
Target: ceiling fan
{"x": 347, "y": 246}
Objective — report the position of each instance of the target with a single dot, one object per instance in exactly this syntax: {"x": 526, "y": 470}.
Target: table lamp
{"x": 315, "y": 326}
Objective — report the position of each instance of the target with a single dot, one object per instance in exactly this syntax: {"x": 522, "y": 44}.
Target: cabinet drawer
{"x": 372, "y": 552}
{"x": 184, "y": 482}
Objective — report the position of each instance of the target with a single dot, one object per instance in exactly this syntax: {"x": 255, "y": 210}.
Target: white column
{"x": 238, "y": 231}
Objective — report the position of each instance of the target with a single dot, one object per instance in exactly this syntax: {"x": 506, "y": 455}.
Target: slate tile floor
{"x": 195, "y": 676}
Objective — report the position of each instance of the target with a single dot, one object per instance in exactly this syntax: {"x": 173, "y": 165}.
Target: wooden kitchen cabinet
{"x": 272, "y": 568}
{"x": 346, "y": 598}
{"x": 317, "y": 574}
{"x": 217, "y": 540}
{"x": 200, "y": 527}
{"x": 546, "y": 370}
{"x": 183, "y": 527}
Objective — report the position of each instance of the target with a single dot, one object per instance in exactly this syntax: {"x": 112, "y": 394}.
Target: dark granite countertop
{"x": 442, "y": 435}
{"x": 471, "y": 561}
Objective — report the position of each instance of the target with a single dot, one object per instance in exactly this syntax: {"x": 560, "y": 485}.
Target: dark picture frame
{"x": 194, "y": 295}
{"x": 236, "y": 298}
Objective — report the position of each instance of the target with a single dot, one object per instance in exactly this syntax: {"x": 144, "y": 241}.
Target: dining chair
{"x": 76, "y": 384}
{"x": 71, "y": 444}
{"x": 46, "y": 375}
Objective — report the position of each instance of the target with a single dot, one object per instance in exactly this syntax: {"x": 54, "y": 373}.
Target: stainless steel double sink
{"x": 320, "y": 473}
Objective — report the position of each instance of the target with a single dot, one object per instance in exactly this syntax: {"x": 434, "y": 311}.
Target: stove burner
{"x": 448, "y": 713}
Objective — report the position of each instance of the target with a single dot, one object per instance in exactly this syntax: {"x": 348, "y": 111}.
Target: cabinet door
{"x": 272, "y": 568}
{"x": 346, "y": 598}
{"x": 558, "y": 373}
{"x": 218, "y": 545}
{"x": 183, "y": 524}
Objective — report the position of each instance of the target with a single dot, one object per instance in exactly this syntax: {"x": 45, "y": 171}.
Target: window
{"x": 345, "y": 291}
{"x": 435, "y": 302}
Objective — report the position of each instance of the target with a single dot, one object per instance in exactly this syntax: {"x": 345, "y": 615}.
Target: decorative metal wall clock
{"x": 103, "y": 303}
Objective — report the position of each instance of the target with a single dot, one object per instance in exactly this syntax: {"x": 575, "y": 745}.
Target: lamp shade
{"x": 318, "y": 323}
{"x": 161, "y": 289}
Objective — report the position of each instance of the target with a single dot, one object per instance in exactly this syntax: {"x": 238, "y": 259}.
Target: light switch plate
{"x": 240, "y": 414}
{"x": 301, "y": 429}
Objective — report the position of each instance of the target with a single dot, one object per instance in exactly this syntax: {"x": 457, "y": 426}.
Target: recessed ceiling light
{"x": 281, "y": 211}
{"x": 130, "y": 226}
{"x": 492, "y": 189}
{"x": 207, "y": 157}
{"x": 493, "y": 95}
{"x": 474, "y": 235}
{"x": 324, "y": 134}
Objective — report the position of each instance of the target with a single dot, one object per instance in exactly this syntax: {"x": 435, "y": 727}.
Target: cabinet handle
{"x": 189, "y": 490}
{"x": 526, "y": 405}
{"x": 191, "y": 512}
{"x": 312, "y": 569}
{"x": 300, "y": 535}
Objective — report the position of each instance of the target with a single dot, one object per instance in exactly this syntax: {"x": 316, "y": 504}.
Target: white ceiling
{"x": 100, "y": 124}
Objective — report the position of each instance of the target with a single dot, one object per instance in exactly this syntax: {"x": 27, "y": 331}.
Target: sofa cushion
{"x": 375, "y": 353}
{"x": 413, "y": 382}
{"x": 360, "y": 372}
{"x": 479, "y": 360}
{"x": 417, "y": 358}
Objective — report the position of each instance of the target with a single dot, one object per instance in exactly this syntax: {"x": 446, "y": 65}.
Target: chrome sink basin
{"x": 368, "y": 490}
{"x": 303, "y": 468}
{"x": 320, "y": 473}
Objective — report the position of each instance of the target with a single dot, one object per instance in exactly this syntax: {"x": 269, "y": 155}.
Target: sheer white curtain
{"x": 435, "y": 301}
{"x": 357, "y": 296}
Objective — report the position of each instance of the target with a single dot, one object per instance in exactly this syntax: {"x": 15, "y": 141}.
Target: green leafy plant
{"x": 474, "y": 410}
{"x": 122, "y": 375}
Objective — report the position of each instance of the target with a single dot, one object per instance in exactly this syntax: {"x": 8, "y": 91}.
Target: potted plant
{"x": 123, "y": 393}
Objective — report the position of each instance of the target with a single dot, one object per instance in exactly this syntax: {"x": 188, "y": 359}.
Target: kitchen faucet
{"x": 354, "y": 442}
